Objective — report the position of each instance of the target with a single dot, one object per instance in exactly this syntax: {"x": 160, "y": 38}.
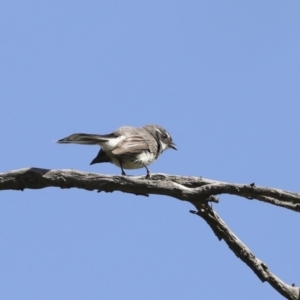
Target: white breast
{"x": 140, "y": 161}
{"x": 146, "y": 158}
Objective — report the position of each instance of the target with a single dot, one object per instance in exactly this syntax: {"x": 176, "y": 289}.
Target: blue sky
{"x": 221, "y": 76}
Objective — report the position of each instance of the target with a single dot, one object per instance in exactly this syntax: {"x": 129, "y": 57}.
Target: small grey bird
{"x": 127, "y": 147}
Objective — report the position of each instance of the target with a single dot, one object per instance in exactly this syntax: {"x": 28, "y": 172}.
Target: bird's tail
{"x": 86, "y": 139}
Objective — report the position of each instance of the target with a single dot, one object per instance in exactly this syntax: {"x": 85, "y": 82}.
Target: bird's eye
{"x": 165, "y": 136}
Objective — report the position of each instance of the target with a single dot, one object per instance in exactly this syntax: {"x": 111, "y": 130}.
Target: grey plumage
{"x": 127, "y": 147}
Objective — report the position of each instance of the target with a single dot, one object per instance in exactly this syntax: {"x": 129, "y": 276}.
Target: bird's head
{"x": 162, "y": 136}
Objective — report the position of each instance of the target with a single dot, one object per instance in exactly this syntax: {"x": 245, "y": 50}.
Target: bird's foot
{"x": 148, "y": 175}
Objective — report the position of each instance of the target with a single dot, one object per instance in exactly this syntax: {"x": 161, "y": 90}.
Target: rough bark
{"x": 198, "y": 191}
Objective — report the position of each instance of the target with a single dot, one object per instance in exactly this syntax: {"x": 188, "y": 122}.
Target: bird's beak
{"x": 172, "y": 146}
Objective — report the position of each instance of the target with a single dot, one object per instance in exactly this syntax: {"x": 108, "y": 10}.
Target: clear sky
{"x": 223, "y": 77}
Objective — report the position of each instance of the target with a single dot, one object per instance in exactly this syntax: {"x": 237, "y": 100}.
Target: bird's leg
{"x": 121, "y": 165}
{"x": 148, "y": 172}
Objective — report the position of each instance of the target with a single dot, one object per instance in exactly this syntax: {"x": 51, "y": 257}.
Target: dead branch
{"x": 196, "y": 190}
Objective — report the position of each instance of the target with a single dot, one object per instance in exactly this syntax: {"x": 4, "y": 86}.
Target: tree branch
{"x": 192, "y": 189}
{"x": 222, "y": 231}
{"x": 198, "y": 191}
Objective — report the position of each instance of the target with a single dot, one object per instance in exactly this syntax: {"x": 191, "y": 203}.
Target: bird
{"x": 127, "y": 147}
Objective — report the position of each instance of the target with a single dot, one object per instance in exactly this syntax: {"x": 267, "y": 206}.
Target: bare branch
{"x": 192, "y": 189}
{"x": 35, "y": 178}
{"x": 196, "y": 190}
{"x": 222, "y": 231}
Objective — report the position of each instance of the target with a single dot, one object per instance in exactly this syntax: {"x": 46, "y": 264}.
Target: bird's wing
{"x": 131, "y": 145}
{"x": 87, "y": 139}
